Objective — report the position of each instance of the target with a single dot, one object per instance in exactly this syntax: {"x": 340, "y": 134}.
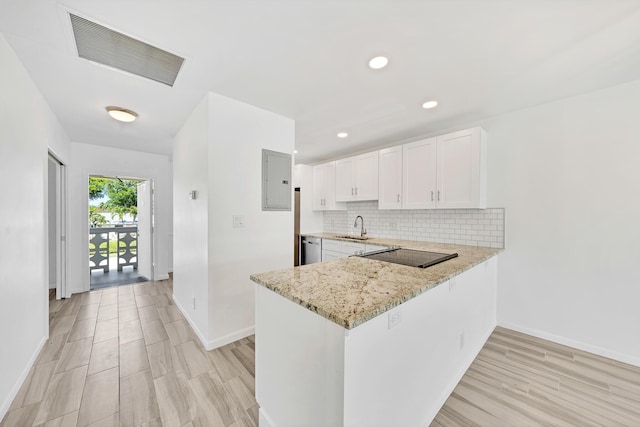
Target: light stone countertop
{"x": 350, "y": 291}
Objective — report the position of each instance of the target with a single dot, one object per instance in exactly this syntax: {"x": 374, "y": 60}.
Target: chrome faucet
{"x": 363, "y": 232}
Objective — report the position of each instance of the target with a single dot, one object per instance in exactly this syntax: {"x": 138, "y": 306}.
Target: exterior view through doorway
{"x": 120, "y": 230}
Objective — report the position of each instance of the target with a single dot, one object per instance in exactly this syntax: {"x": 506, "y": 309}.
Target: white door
{"x": 144, "y": 250}
{"x": 419, "y": 174}
{"x": 459, "y": 169}
{"x": 345, "y": 179}
{"x": 366, "y": 176}
{"x": 57, "y": 227}
{"x": 390, "y": 178}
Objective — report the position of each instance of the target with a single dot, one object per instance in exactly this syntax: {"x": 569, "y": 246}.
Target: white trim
{"x": 163, "y": 277}
{"x": 454, "y": 383}
{"x": 16, "y": 387}
{"x": 197, "y": 331}
{"x": 579, "y": 345}
{"x": 264, "y": 420}
{"x": 227, "y": 339}
{"x": 212, "y": 345}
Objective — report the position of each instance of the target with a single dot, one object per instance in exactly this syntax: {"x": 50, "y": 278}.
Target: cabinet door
{"x": 390, "y": 178}
{"x": 459, "y": 169}
{"x": 366, "y": 176}
{"x": 330, "y": 187}
{"x": 318, "y": 187}
{"x": 329, "y": 255}
{"x": 345, "y": 187}
{"x": 419, "y": 174}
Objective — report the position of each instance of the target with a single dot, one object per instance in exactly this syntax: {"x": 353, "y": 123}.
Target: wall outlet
{"x": 239, "y": 221}
{"x": 461, "y": 341}
{"x": 395, "y": 317}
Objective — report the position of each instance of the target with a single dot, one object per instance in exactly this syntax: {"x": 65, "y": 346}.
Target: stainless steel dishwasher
{"x": 310, "y": 250}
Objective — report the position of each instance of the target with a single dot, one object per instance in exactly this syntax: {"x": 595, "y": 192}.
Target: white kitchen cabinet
{"x": 357, "y": 178}
{"x": 462, "y": 169}
{"x": 324, "y": 188}
{"x": 419, "y": 174}
{"x": 445, "y": 172}
{"x": 390, "y": 178}
{"x": 333, "y": 249}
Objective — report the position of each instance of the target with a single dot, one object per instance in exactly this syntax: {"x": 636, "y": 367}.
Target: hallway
{"x": 126, "y": 356}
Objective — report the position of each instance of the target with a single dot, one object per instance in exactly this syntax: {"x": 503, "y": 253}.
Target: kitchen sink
{"x": 350, "y": 236}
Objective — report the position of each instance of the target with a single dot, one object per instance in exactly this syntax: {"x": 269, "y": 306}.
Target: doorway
{"x": 120, "y": 230}
{"x": 56, "y": 227}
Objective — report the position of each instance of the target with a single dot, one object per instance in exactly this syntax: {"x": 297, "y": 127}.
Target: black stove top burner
{"x": 420, "y": 259}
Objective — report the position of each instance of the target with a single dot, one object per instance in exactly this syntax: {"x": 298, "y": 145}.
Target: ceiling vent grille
{"x": 104, "y": 46}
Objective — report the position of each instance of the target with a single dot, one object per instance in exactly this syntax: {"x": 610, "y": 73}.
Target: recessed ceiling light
{"x": 343, "y": 135}
{"x": 295, "y": 151}
{"x": 430, "y": 104}
{"x": 122, "y": 114}
{"x": 378, "y": 62}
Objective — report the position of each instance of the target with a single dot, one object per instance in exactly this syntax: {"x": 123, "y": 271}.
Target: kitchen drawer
{"x": 351, "y": 248}
{"x": 332, "y": 245}
{"x": 329, "y": 255}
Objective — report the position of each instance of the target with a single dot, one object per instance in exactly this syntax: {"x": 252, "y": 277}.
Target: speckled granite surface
{"x": 350, "y": 291}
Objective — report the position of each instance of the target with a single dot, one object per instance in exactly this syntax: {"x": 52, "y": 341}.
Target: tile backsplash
{"x": 474, "y": 227}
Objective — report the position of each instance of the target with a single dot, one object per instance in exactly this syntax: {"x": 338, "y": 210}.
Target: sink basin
{"x": 350, "y": 236}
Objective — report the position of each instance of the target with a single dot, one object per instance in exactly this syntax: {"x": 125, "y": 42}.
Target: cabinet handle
{"x": 398, "y": 197}
{"x": 438, "y": 195}
{"x": 432, "y": 195}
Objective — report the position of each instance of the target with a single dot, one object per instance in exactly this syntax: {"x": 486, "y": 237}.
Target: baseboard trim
{"x": 16, "y": 387}
{"x": 456, "y": 379}
{"x": 197, "y": 331}
{"x": 162, "y": 277}
{"x": 227, "y": 339}
{"x": 579, "y": 345}
{"x": 264, "y": 420}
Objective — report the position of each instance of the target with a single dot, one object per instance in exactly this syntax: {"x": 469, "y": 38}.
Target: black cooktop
{"x": 420, "y": 259}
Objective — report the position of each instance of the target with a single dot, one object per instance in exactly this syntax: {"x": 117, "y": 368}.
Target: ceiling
{"x": 307, "y": 60}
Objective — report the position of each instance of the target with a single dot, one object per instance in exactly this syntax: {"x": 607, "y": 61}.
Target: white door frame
{"x": 147, "y": 229}
{"x": 86, "y": 174}
{"x": 61, "y": 226}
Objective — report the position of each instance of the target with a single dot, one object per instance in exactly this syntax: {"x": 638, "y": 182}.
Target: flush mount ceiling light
{"x": 343, "y": 135}
{"x": 295, "y": 151}
{"x": 430, "y": 104}
{"x": 122, "y": 114}
{"x": 378, "y": 62}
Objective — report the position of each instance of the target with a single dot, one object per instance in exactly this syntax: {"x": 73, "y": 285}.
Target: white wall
{"x": 310, "y": 220}
{"x": 27, "y": 128}
{"x": 218, "y": 153}
{"x": 237, "y": 134}
{"x": 568, "y": 175}
{"x": 191, "y": 220}
{"x": 170, "y": 220}
{"x": 93, "y": 159}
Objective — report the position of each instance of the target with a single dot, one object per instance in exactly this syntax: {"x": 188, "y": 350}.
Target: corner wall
{"x": 27, "y": 129}
{"x": 191, "y": 220}
{"x": 237, "y": 134}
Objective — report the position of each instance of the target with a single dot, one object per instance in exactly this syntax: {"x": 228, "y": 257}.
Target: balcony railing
{"x": 126, "y": 247}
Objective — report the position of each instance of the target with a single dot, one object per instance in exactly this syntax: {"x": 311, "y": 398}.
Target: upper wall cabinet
{"x": 390, "y": 178}
{"x": 444, "y": 172}
{"x": 324, "y": 188}
{"x": 357, "y": 178}
{"x": 462, "y": 171}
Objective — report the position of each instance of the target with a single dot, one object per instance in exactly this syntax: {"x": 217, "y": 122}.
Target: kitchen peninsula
{"x": 359, "y": 342}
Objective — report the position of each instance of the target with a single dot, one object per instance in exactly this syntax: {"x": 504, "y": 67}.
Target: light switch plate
{"x": 239, "y": 221}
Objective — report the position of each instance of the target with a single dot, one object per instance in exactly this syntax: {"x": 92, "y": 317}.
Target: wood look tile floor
{"x": 519, "y": 380}
{"x": 125, "y": 356}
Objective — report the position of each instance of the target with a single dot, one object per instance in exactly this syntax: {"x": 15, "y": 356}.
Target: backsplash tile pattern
{"x": 473, "y": 227}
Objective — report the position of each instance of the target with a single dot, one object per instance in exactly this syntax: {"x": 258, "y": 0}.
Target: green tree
{"x": 96, "y": 218}
{"x": 97, "y": 187}
{"x": 123, "y": 198}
